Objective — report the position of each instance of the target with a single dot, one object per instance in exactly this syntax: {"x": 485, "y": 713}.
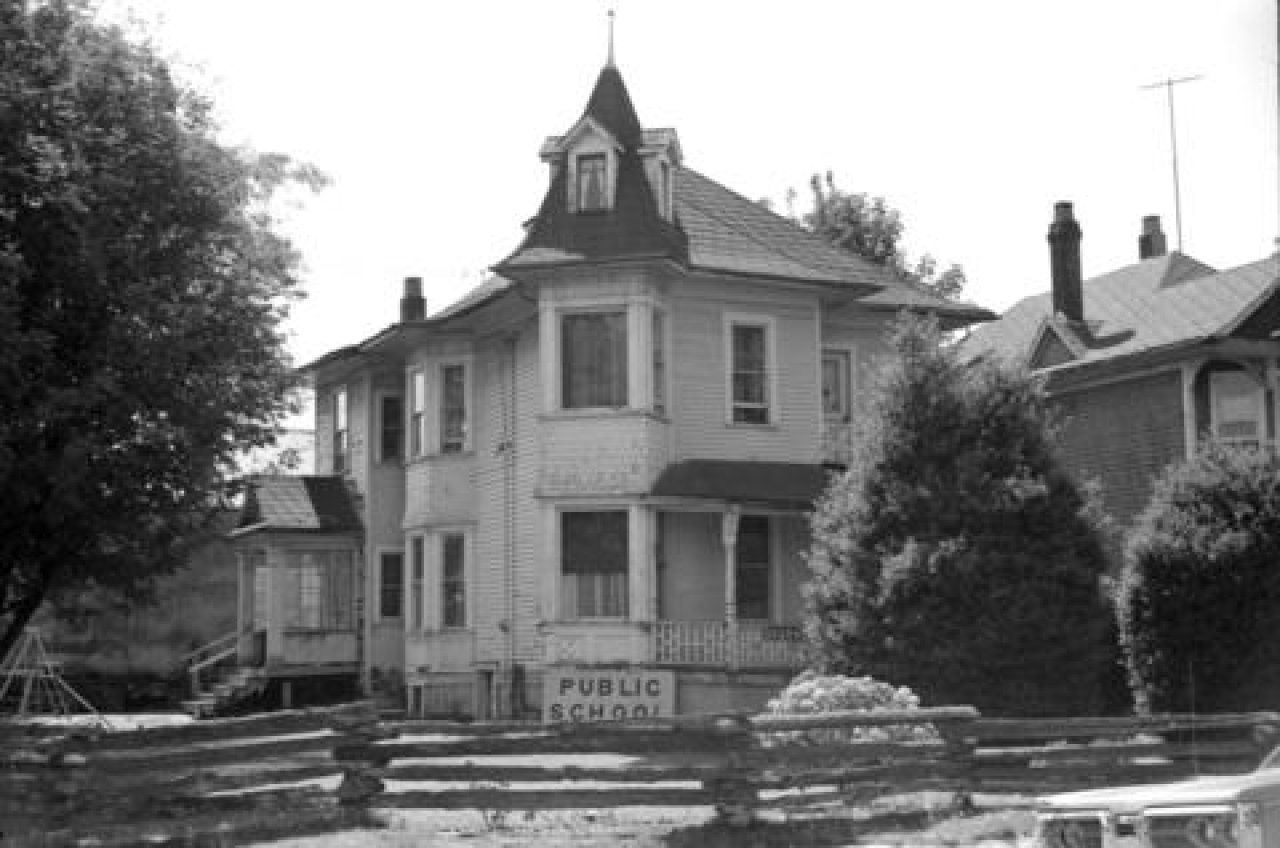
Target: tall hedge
{"x": 1199, "y": 599}
{"x": 956, "y": 556}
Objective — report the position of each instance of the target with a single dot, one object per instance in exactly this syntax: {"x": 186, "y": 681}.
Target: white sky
{"x": 971, "y": 117}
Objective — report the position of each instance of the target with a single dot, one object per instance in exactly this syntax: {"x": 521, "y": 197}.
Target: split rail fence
{"x": 230, "y": 781}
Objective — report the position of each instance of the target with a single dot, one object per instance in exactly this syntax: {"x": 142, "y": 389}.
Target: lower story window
{"x": 319, "y": 590}
{"x": 752, "y": 571}
{"x": 453, "y": 582}
{"x": 593, "y": 564}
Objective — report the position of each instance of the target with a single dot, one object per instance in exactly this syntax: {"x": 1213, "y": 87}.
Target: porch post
{"x": 244, "y": 607}
{"x": 275, "y": 563}
{"x": 729, "y": 536}
{"x": 1189, "y": 431}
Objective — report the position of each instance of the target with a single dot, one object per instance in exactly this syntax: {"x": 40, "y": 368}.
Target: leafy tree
{"x": 869, "y": 227}
{"x": 142, "y": 289}
{"x": 955, "y": 555}
{"x": 1199, "y": 599}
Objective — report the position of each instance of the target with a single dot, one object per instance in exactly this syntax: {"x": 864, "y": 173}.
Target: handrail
{"x": 216, "y": 645}
{"x": 212, "y": 659}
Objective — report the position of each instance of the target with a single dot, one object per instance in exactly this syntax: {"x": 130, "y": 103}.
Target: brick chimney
{"x": 1152, "y": 241}
{"x": 413, "y": 306}
{"x": 1064, "y": 263}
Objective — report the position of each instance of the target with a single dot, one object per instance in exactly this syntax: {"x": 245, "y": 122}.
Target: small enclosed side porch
{"x": 705, "y": 574}
{"x": 298, "y": 551}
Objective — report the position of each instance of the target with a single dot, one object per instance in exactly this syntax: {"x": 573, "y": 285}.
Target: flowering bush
{"x": 812, "y": 693}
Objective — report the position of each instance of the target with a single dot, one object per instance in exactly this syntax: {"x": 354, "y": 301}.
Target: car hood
{"x": 1261, "y": 785}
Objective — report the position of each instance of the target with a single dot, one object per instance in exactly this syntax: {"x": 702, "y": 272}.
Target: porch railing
{"x": 710, "y": 643}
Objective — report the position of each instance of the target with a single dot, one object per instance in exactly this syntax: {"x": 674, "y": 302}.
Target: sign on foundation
{"x": 607, "y": 694}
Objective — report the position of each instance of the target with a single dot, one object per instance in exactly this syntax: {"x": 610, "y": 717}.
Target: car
{"x": 1230, "y": 811}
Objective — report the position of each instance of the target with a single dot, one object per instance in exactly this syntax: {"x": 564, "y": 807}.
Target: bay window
{"x": 453, "y": 408}
{"x": 453, "y": 579}
{"x": 593, "y": 359}
{"x": 593, "y": 564}
{"x": 418, "y": 413}
{"x": 340, "y": 438}
{"x": 417, "y": 585}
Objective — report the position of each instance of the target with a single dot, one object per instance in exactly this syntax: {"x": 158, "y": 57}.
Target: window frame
{"x": 461, "y": 442}
{"x": 580, "y": 183}
{"x": 619, "y": 311}
{"x": 659, "y": 357}
{"x": 1259, "y": 398}
{"x": 843, "y": 356}
{"x": 341, "y": 431}
{"x": 416, "y": 621}
{"x": 460, "y": 581}
{"x": 399, "y": 589}
{"x": 619, "y": 594}
{"x": 769, "y": 377}
{"x": 391, "y": 442}
{"x": 765, "y": 566}
{"x": 417, "y": 413}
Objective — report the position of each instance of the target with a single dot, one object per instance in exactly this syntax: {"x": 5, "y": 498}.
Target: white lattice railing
{"x": 758, "y": 645}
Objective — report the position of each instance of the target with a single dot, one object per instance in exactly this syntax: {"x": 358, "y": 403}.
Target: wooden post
{"x": 729, "y": 537}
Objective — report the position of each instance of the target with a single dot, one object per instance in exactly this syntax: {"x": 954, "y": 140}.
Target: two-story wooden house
{"x": 583, "y": 488}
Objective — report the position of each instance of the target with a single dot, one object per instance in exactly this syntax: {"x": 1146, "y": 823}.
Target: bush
{"x": 812, "y": 693}
{"x": 957, "y": 555}
{"x": 1199, "y": 598}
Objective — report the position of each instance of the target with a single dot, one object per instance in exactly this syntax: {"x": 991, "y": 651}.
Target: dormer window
{"x": 592, "y": 195}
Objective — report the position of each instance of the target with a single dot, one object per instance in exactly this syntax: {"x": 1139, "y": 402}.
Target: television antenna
{"x": 1168, "y": 85}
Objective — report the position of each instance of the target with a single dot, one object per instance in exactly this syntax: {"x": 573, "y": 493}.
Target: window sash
{"x": 453, "y": 408}
{"x": 391, "y": 585}
{"x": 591, "y": 182}
{"x": 659, "y": 343}
{"x": 593, "y": 353}
{"x": 594, "y": 542}
{"x": 594, "y": 595}
{"x": 1239, "y": 407}
{"x": 835, "y": 383}
{"x": 340, "y": 430}
{"x": 417, "y": 586}
{"x": 453, "y": 583}
{"x": 752, "y": 571}
{"x": 749, "y": 374}
{"x": 391, "y": 444}
{"x": 418, "y": 416}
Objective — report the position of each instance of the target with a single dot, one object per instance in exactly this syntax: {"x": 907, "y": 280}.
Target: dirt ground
{"x": 892, "y": 823}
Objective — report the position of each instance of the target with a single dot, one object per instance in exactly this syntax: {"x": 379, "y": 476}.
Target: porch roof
{"x": 791, "y": 485}
{"x": 311, "y": 503}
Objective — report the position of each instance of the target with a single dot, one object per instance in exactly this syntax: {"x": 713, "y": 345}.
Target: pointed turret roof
{"x": 610, "y": 106}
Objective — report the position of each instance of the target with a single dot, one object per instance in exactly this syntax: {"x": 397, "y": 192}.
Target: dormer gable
{"x": 589, "y": 154}
{"x": 1055, "y": 344}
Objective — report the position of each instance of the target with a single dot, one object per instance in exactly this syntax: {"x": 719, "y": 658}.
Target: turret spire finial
{"x": 609, "y": 62}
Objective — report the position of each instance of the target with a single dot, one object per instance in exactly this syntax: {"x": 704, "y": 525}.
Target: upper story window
{"x": 836, "y": 384}
{"x": 453, "y": 408}
{"x": 593, "y": 359}
{"x": 340, "y": 437}
{"x": 664, "y": 189}
{"x": 1238, "y": 407}
{"x": 592, "y": 189}
{"x": 418, "y": 416}
{"x": 391, "y": 429}
{"x": 750, "y": 370}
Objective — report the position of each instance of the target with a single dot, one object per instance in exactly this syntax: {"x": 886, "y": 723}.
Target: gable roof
{"x": 1159, "y": 303}
{"x": 307, "y": 504}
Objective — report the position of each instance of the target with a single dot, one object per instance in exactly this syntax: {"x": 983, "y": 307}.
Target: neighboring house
{"x": 1148, "y": 360}
{"x": 583, "y": 488}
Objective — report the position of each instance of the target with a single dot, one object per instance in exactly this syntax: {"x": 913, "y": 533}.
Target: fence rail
{"x": 281, "y": 773}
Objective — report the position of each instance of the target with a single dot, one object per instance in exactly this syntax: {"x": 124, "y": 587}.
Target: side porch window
{"x": 319, "y": 590}
{"x": 593, "y": 564}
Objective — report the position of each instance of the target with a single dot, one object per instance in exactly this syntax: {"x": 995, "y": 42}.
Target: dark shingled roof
{"x": 1159, "y": 303}
{"x": 785, "y": 484}
{"x": 316, "y": 504}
